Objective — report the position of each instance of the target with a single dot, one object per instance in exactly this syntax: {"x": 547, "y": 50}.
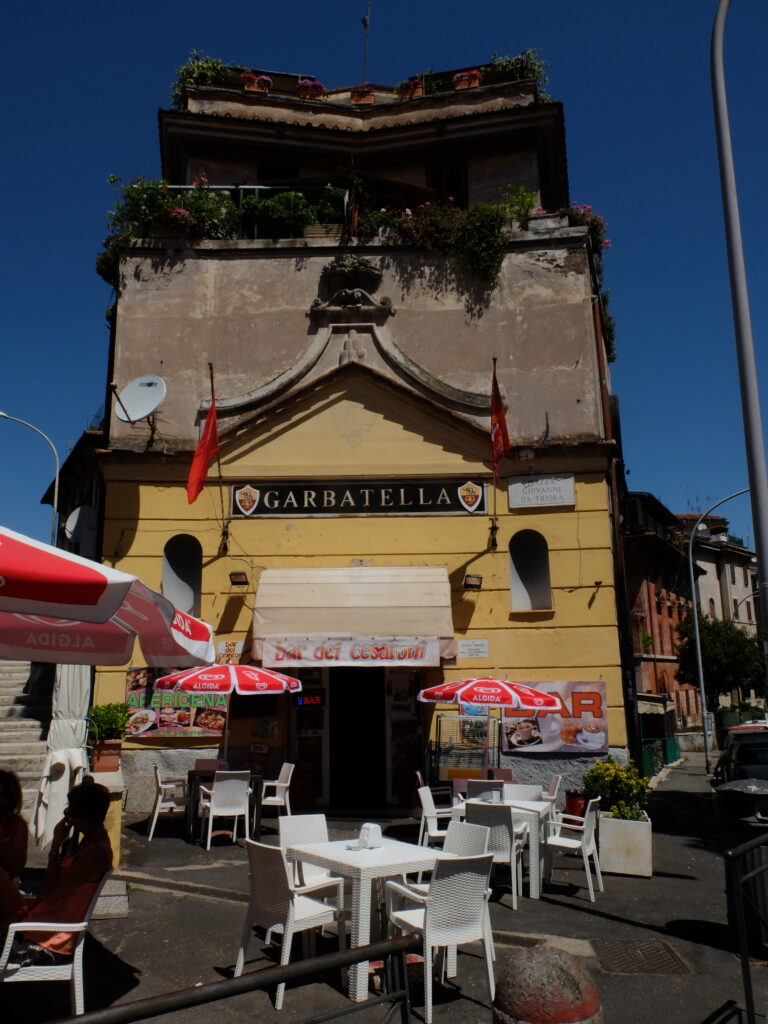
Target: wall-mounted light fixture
{"x": 239, "y": 579}
{"x": 473, "y": 582}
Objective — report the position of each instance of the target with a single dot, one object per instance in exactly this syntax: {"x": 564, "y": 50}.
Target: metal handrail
{"x": 392, "y": 951}
{"x": 737, "y": 879}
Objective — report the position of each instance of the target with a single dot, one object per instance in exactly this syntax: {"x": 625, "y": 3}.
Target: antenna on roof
{"x": 366, "y": 21}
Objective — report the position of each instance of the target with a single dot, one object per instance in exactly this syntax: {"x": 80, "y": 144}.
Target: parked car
{"x": 741, "y": 774}
{"x": 745, "y": 753}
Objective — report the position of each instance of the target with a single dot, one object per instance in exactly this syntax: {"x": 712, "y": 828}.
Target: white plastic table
{"x": 364, "y": 867}
{"x": 535, "y": 812}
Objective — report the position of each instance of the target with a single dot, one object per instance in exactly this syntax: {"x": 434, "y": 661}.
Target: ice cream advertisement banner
{"x": 156, "y": 712}
{"x": 580, "y": 726}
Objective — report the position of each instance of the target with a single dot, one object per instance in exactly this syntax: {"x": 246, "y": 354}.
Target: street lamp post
{"x": 45, "y": 437}
{"x": 750, "y": 398}
{"x": 696, "y": 634}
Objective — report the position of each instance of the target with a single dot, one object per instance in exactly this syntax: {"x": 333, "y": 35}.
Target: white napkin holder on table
{"x": 370, "y": 836}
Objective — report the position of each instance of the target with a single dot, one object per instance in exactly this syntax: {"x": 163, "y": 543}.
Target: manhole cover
{"x": 512, "y": 939}
{"x": 638, "y": 957}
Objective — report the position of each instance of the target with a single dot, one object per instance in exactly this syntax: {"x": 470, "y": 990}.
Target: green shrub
{"x": 480, "y": 240}
{"x": 202, "y": 70}
{"x": 108, "y": 721}
{"x": 283, "y": 215}
{"x": 622, "y": 790}
{"x": 329, "y": 209}
{"x": 519, "y": 203}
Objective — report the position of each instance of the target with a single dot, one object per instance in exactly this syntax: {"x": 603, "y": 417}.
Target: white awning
{"x": 377, "y": 602}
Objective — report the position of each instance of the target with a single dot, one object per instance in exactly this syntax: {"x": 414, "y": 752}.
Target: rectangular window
{"x": 749, "y": 610}
{"x": 732, "y": 572}
{"x": 745, "y": 575}
{"x": 735, "y": 608}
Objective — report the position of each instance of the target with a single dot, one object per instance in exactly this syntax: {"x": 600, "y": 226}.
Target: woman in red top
{"x": 13, "y": 828}
{"x": 76, "y": 865}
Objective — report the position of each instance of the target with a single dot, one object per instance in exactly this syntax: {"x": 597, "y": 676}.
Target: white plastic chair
{"x": 281, "y": 785}
{"x": 71, "y": 971}
{"x": 518, "y": 791}
{"x": 429, "y": 830}
{"x": 227, "y": 798}
{"x": 506, "y": 840}
{"x": 442, "y": 794}
{"x": 551, "y": 794}
{"x": 170, "y": 795}
{"x": 483, "y": 789}
{"x": 275, "y": 907}
{"x": 296, "y": 829}
{"x": 572, "y": 834}
{"x": 454, "y": 911}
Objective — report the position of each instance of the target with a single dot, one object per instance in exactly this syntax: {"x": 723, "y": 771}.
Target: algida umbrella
{"x": 491, "y": 693}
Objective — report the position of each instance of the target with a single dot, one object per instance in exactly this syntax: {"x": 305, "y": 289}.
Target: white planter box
{"x": 625, "y": 847}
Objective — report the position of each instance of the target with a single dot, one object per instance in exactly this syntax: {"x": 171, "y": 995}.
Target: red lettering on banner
{"x": 588, "y": 703}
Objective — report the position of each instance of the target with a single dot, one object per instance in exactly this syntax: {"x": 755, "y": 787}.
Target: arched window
{"x": 529, "y": 586}
{"x": 183, "y": 572}
{"x": 712, "y": 614}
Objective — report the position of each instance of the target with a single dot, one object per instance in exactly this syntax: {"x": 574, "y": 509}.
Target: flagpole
{"x": 218, "y": 459}
{"x": 366, "y": 20}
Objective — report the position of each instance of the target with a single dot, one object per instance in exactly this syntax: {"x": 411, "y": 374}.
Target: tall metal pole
{"x": 696, "y": 634}
{"x": 45, "y": 437}
{"x": 366, "y": 20}
{"x": 750, "y": 399}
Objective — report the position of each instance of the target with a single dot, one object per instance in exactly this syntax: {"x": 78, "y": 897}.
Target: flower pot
{"x": 467, "y": 83}
{"x": 412, "y": 90}
{"x": 363, "y": 97}
{"x": 575, "y": 803}
{"x": 625, "y": 847}
{"x": 105, "y": 755}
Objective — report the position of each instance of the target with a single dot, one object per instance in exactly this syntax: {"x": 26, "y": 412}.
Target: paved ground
{"x": 184, "y": 930}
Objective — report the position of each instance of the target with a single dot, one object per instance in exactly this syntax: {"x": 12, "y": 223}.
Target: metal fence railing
{"x": 392, "y": 952}
{"x": 746, "y": 872}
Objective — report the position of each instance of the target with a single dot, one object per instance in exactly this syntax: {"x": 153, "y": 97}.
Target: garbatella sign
{"x": 370, "y": 497}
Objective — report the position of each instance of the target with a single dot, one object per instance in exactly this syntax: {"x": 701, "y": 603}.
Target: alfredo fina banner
{"x": 580, "y": 726}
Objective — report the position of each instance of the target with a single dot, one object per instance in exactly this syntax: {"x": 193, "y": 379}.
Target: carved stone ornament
{"x": 347, "y": 283}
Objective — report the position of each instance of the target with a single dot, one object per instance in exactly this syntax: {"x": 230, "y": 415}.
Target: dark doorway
{"x": 357, "y": 741}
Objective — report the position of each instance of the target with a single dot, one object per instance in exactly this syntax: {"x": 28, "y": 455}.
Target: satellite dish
{"x": 80, "y": 528}
{"x": 140, "y": 398}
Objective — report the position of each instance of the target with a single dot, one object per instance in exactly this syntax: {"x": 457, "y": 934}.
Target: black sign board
{"x": 362, "y": 498}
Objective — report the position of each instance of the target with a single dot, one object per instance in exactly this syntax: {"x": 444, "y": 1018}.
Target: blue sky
{"x": 82, "y": 84}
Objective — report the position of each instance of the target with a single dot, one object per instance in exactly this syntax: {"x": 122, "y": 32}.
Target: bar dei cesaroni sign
{"x": 362, "y": 498}
{"x": 362, "y": 652}
{"x": 579, "y": 726}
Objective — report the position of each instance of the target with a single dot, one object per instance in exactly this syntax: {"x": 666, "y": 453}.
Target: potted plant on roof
{"x": 467, "y": 79}
{"x": 309, "y": 89}
{"x": 256, "y": 83}
{"x": 106, "y": 728}
{"x": 625, "y": 837}
{"x": 411, "y": 88}
{"x": 362, "y": 94}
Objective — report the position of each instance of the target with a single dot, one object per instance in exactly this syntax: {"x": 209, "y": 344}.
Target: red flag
{"x": 207, "y": 447}
{"x": 499, "y": 435}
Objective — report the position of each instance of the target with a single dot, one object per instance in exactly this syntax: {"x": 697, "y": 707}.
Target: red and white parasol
{"x": 59, "y": 607}
{"x": 491, "y": 693}
{"x": 242, "y": 679}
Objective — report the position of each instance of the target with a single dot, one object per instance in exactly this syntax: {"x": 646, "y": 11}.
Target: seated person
{"x": 76, "y": 865}
{"x": 13, "y": 828}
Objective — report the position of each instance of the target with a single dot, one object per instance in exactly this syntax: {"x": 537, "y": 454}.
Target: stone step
{"x": 22, "y": 746}
{"x": 28, "y": 712}
{"x": 20, "y": 698}
{"x": 22, "y": 763}
{"x": 18, "y": 725}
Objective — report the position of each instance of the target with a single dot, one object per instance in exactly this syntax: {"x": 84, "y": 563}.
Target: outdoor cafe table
{"x": 535, "y": 812}
{"x": 364, "y": 867}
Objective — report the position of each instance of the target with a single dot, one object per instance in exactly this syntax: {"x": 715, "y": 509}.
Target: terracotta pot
{"x": 411, "y": 91}
{"x": 467, "y": 83}
{"x": 105, "y": 755}
{"x": 360, "y": 98}
{"x": 575, "y": 803}
{"x": 255, "y": 86}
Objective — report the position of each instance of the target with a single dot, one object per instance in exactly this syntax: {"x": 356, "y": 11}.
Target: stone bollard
{"x": 545, "y": 986}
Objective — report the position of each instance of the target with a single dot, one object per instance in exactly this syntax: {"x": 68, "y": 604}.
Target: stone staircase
{"x": 25, "y": 713}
